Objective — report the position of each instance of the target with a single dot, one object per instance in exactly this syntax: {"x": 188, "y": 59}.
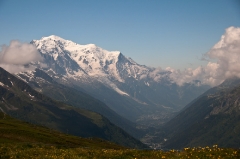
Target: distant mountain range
{"x": 19, "y": 100}
{"x": 212, "y": 118}
{"x": 136, "y": 92}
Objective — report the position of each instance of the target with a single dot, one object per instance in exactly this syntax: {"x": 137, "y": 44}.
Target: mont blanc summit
{"x": 95, "y": 61}
{"x": 134, "y": 91}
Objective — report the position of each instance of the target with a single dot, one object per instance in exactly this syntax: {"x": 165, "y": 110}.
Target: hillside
{"x": 213, "y": 118}
{"x": 20, "y": 139}
{"x": 19, "y": 100}
{"x": 13, "y": 131}
{"x": 42, "y": 82}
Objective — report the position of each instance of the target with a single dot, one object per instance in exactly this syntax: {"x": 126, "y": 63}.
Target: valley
{"x": 124, "y": 79}
{"x": 87, "y": 91}
{"x": 134, "y": 97}
{"x": 133, "y": 91}
{"x": 212, "y": 118}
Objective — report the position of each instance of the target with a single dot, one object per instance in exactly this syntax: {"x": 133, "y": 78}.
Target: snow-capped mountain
{"x": 134, "y": 91}
{"x": 94, "y": 60}
{"x": 75, "y": 61}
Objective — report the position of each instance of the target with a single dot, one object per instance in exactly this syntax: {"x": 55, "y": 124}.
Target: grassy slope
{"x": 14, "y": 131}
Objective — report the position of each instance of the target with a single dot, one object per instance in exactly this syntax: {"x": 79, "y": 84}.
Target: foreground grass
{"x": 51, "y": 152}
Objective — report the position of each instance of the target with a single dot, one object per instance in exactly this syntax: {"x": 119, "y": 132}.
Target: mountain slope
{"x": 43, "y": 83}
{"x": 22, "y": 102}
{"x": 134, "y": 91}
{"x": 211, "y": 119}
{"x": 16, "y": 131}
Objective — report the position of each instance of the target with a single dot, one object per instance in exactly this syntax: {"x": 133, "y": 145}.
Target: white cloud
{"x": 226, "y": 54}
{"x": 185, "y": 76}
{"x": 16, "y": 68}
{"x": 16, "y": 55}
{"x": 156, "y": 74}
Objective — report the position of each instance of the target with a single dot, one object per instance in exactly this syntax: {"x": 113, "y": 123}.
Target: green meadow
{"x": 19, "y": 139}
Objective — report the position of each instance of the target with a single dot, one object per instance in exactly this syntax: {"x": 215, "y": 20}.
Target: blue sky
{"x": 158, "y": 33}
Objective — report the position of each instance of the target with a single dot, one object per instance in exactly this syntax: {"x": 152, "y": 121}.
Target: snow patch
{"x": 146, "y": 83}
{"x": 31, "y": 96}
{"x": 2, "y": 110}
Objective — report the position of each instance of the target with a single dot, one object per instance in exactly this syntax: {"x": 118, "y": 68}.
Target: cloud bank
{"x": 17, "y": 55}
{"x": 224, "y": 62}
